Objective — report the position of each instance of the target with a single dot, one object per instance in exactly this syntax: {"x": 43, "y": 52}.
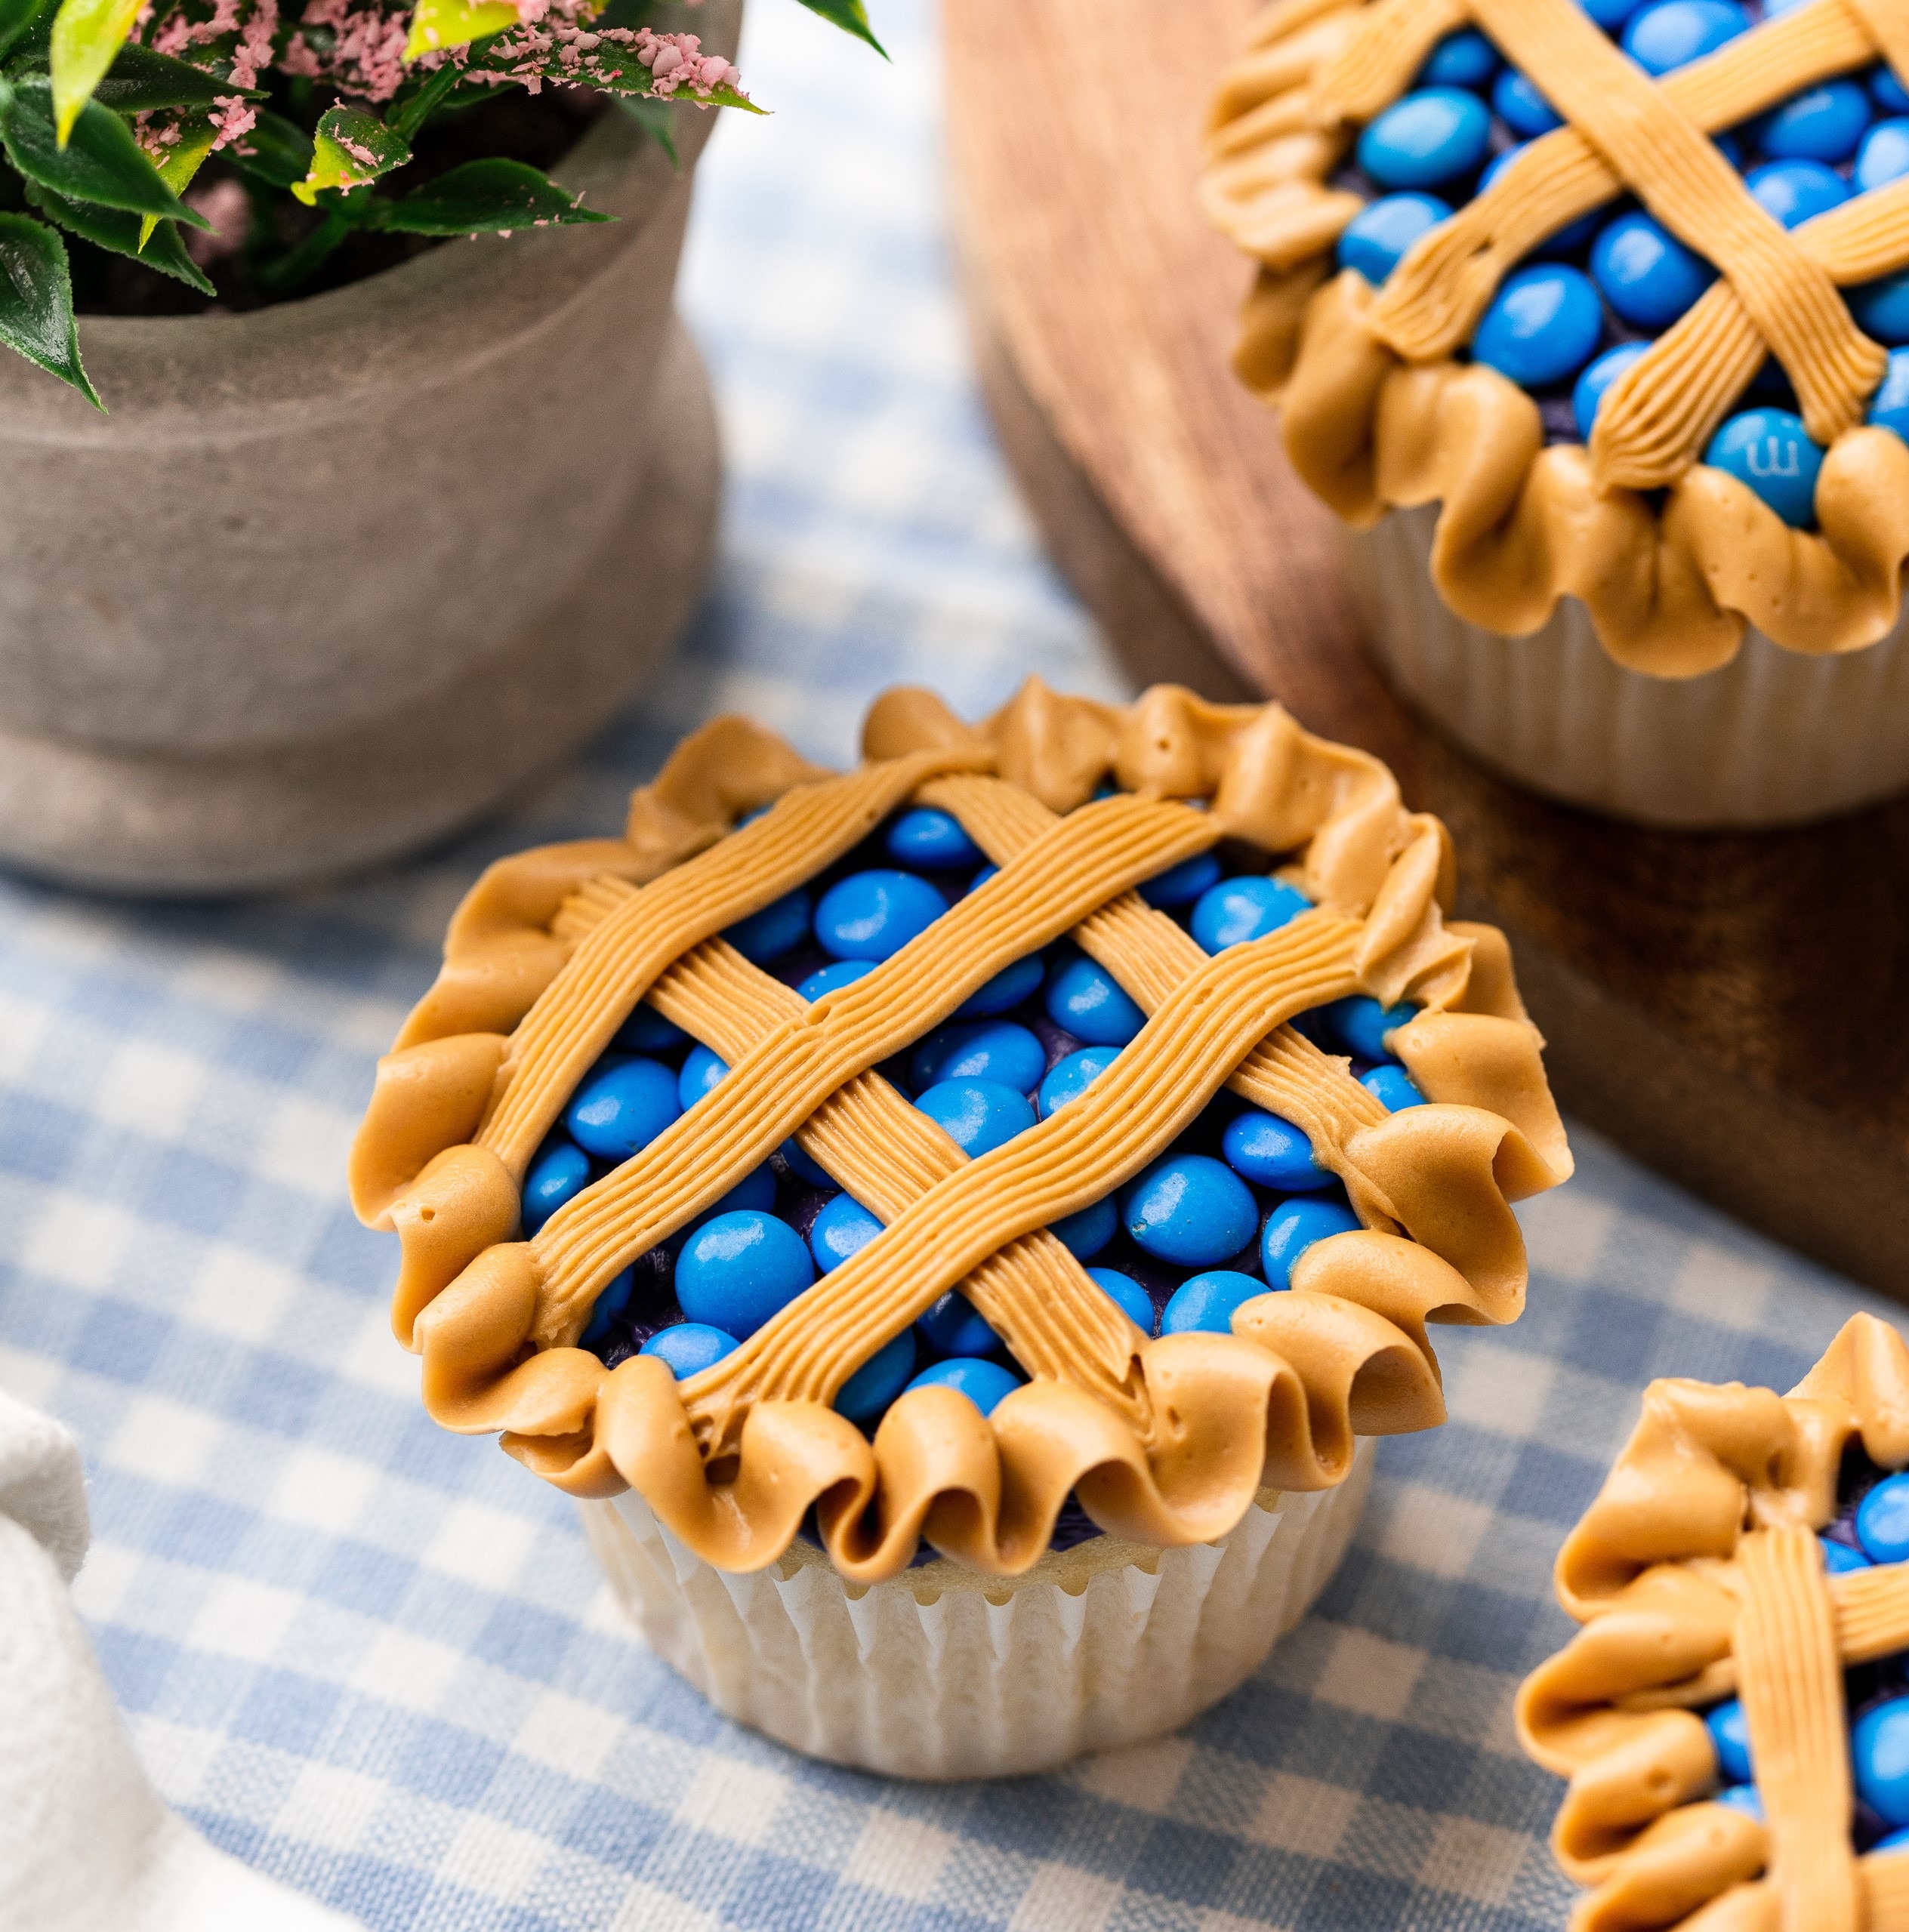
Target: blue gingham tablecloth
{"x": 376, "y": 1660}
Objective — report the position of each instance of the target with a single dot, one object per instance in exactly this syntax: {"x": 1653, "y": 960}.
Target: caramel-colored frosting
{"x": 1697, "y": 1576}
{"x": 1166, "y": 1441}
{"x": 1377, "y": 414}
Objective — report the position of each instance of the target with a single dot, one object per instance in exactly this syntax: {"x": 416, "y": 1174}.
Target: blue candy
{"x": 1248, "y": 906}
{"x": 1464, "y": 59}
{"x": 1362, "y": 1023}
{"x": 560, "y": 1173}
{"x": 1374, "y": 241}
{"x": 1769, "y": 450}
{"x": 1797, "y": 191}
{"x": 1883, "y": 156}
{"x": 982, "y": 877}
{"x": 802, "y": 1168}
{"x": 879, "y": 1380}
{"x": 1391, "y": 1086}
{"x": 690, "y": 1347}
{"x": 1272, "y": 1151}
{"x": 872, "y": 915}
{"x": 611, "y": 1306}
{"x": 1565, "y": 241}
{"x": 755, "y": 1189}
{"x": 1610, "y": 14}
{"x": 1887, "y": 92}
{"x": 1896, "y": 1841}
{"x": 1433, "y": 136}
{"x": 1742, "y": 1797}
{"x": 700, "y": 1071}
{"x": 1007, "y": 990}
{"x": 1072, "y": 1077}
{"x": 739, "y": 1269}
{"x": 1882, "y": 1524}
{"x": 646, "y": 1031}
{"x": 983, "y": 1383}
{"x": 1647, "y": 275}
{"x": 1134, "y": 1301}
{"x": 1180, "y": 884}
{"x": 1675, "y": 32}
{"x": 1823, "y": 123}
{"x": 1190, "y": 1209}
{"x": 1084, "y": 1234}
{"x": 1521, "y": 107}
{"x": 1588, "y": 397}
{"x": 1730, "y": 1736}
{"x": 1890, "y": 409}
{"x": 1086, "y": 999}
{"x": 1293, "y": 1226}
{"x": 829, "y": 978}
{"x": 1839, "y": 1559}
{"x": 925, "y": 836}
{"x": 1879, "y": 1745}
{"x": 1204, "y": 1303}
{"x": 842, "y": 1229}
{"x": 951, "y": 1326}
{"x": 977, "y": 1115}
{"x": 622, "y": 1107}
{"x": 779, "y": 927}
{"x": 996, "y": 1050}
{"x": 1882, "y": 308}
{"x": 1542, "y": 327}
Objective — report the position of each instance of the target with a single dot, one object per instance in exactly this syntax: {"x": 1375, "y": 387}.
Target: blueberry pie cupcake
{"x": 1590, "y": 320}
{"x": 1734, "y": 1717}
{"x": 953, "y": 1223}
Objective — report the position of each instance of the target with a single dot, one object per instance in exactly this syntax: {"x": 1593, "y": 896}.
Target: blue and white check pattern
{"x": 376, "y": 1660}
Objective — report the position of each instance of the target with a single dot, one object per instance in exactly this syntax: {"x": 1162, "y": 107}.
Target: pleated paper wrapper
{"x": 1773, "y": 737}
{"x": 944, "y": 1673}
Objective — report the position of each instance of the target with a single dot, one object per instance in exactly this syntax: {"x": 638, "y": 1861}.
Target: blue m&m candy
{"x": 1190, "y": 1209}
{"x": 952, "y": 1327}
{"x": 1246, "y": 907}
{"x": 983, "y": 1383}
{"x": 1294, "y": 1226}
{"x": 1084, "y": 1234}
{"x": 1592, "y": 385}
{"x": 1521, "y": 107}
{"x": 1180, "y": 884}
{"x": 1796, "y": 191}
{"x": 1675, "y": 32}
{"x": 1647, "y": 275}
{"x": 996, "y": 1050}
{"x": 827, "y": 979}
{"x": 701, "y": 1071}
{"x": 926, "y": 837}
{"x": 1883, "y": 1522}
{"x": 1007, "y": 990}
{"x": 777, "y": 928}
{"x": 1567, "y": 240}
{"x": 1896, "y": 1841}
{"x": 1879, "y": 1746}
{"x": 879, "y": 1380}
{"x": 872, "y": 915}
{"x": 1272, "y": 1152}
{"x": 1887, "y": 92}
{"x": 1362, "y": 1023}
{"x": 646, "y": 1031}
{"x": 1431, "y": 136}
{"x": 1883, "y": 156}
{"x": 690, "y": 1347}
{"x": 1086, "y": 999}
{"x": 612, "y": 1304}
{"x": 1730, "y": 1736}
{"x": 1889, "y": 409}
{"x": 978, "y": 1115}
{"x": 1071, "y": 1077}
{"x": 1741, "y": 1798}
{"x": 1823, "y": 123}
{"x": 1374, "y": 241}
{"x": 1839, "y": 1559}
{"x": 1769, "y": 450}
{"x": 1542, "y": 327}
{"x": 1882, "y": 308}
{"x": 1204, "y": 1304}
{"x": 1133, "y": 1300}
{"x": 560, "y": 1173}
{"x": 739, "y": 1269}
{"x": 756, "y": 1189}
{"x": 1392, "y": 1087}
{"x": 622, "y": 1108}
{"x": 842, "y": 1229}
{"x": 1610, "y": 14}
{"x": 1464, "y": 59}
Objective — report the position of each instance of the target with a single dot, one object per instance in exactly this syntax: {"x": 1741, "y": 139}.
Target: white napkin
{"x": 85, "y": 1844}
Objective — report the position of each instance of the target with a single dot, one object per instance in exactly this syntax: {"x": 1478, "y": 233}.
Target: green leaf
{"x": 410, "y": 112}
{"x": 851, "y": 17}
{"x": 140, "y": 79}
{"x": 111, "y": 228}
{"x": 36, "y": 301}
{"x": 435, "y": 24}
{"x": 17, "y": 17}
{"x": 281, "y": 150}
{"x": 484, "y": 198}
{"x": 183, "y": 160}
{"x": 86, "y": 35}
{"x": 351, "y": 148}
{"x": 657, "y": 118}
{"x": 102, "y": 163}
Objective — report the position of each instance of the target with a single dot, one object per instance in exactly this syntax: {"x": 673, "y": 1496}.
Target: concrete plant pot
{"x": 334, "y": 577}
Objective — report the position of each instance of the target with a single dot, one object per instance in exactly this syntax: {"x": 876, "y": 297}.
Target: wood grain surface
{"x": 1735, "y": 1008}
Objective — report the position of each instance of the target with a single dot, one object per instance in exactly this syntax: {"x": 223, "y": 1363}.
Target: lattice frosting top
{"x": 1725, "y": 1641}
{"x": 1160, "y": 1439}
{"x": 1392, "y": 395}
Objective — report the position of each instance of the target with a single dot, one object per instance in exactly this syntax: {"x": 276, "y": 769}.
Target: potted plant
{"x": 325, "y": 527}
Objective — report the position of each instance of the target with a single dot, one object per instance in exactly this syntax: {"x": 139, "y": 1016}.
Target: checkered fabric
{"x": 375, "y": 1660}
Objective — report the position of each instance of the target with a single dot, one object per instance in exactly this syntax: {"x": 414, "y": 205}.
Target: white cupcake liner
{"x": 944, "y": 1673}
{"x": 1773, "y": 737}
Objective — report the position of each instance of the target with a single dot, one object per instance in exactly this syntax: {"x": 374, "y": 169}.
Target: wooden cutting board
{"x": 1734, "y": 1009}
